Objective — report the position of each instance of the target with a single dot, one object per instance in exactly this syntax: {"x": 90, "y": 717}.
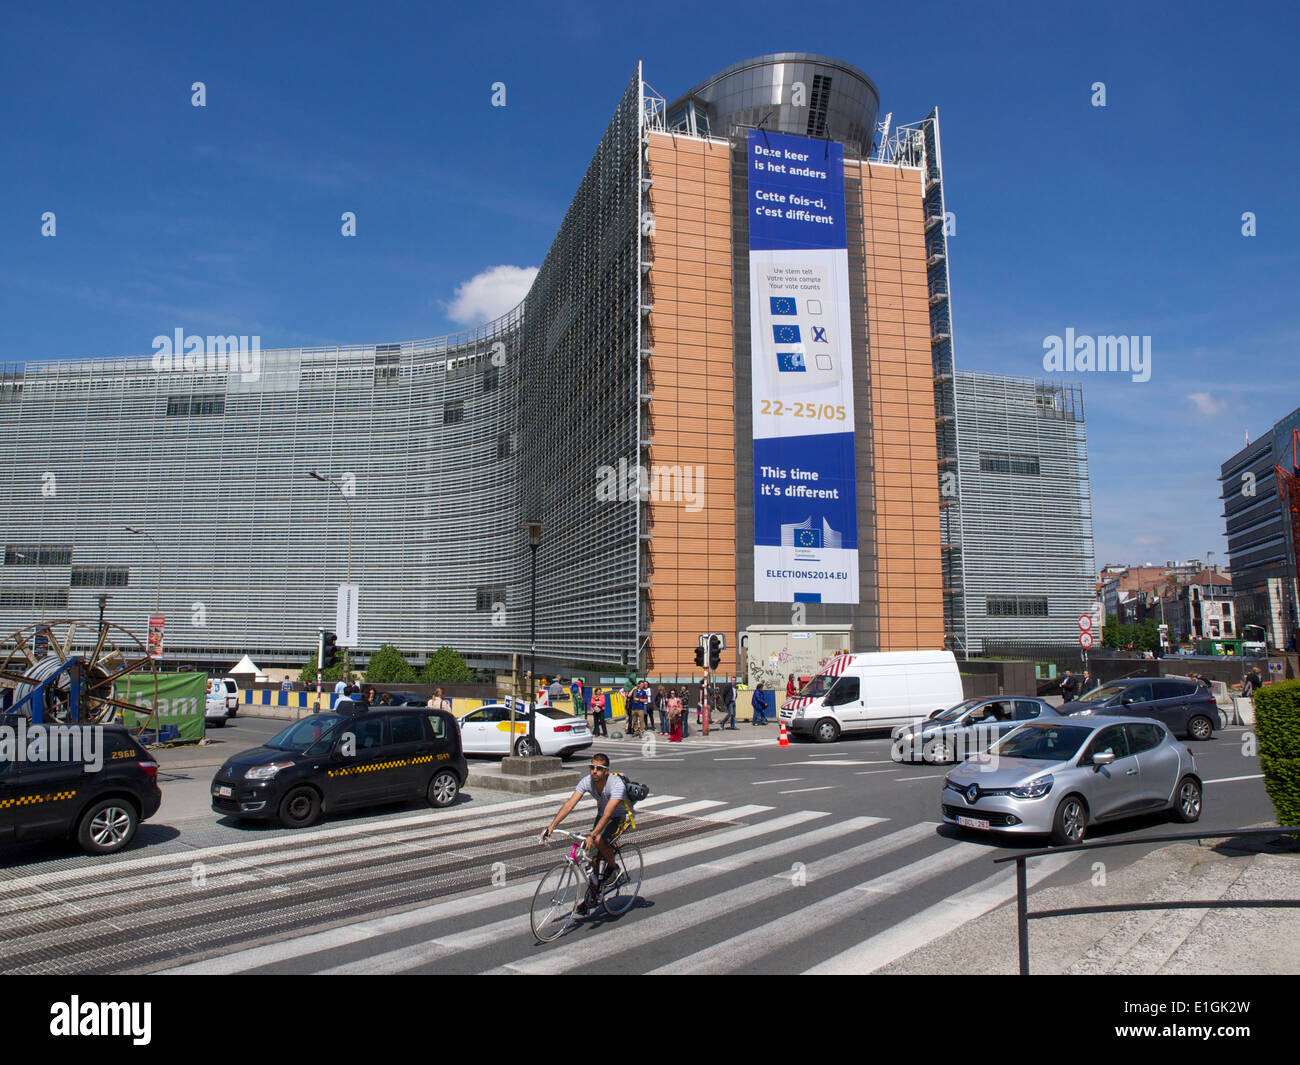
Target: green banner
{"x": 181, "y": 702}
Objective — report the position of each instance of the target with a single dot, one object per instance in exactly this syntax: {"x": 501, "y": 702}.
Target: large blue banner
{"x": 805, "y": 484}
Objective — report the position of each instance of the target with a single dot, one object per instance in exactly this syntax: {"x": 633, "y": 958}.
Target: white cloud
{"x": 1206, "y": 404}
{"x": 489, "y": 295}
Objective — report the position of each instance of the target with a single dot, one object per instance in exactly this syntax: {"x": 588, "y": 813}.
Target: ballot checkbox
{"x": 823, "y": 362}
{"x": 814, "y": 306}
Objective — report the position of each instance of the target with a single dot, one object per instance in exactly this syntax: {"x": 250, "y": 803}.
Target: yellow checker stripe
{"x": 353, "y": 770}
{"x": 31, "y": 800}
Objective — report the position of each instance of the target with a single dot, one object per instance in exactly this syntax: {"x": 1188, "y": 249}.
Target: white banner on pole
{"x": 345, "y": 625}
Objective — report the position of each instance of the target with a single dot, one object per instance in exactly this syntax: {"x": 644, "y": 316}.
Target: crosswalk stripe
{"x": 299, "y": 946}
{"x": 943, "y": 917}
{"x": 658, "y": 800}
{"x": 762, "y": 940}
{"x": 733, "y": 813}
{"x": 131, "y": 865}
{"x": 691, "y": 807}
{"x": 413, "y": 956}
{"x": 678, "y": 919}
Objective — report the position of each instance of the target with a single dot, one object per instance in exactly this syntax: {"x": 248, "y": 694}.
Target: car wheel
{"x": 527, "y": 748}
{"x": 1187, "y": 801}
{"x": 300, "y": 808}
{"x": 942, "y": 753}
{"x": 827, "y": 731}
{"x": 443, "y": 788}
{"x": 107, "y": 826}
{"x": 1070, "y": 822}
{"x": 1200, "y": 728}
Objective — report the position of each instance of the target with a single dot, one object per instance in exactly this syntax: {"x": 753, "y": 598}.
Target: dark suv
{"x": 59, "y": 792}
{"x": 353, "y": 756}
{"x": 1178, "y": 703}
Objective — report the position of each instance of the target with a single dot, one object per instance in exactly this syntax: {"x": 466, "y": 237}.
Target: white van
{"x": 878, "y": 690}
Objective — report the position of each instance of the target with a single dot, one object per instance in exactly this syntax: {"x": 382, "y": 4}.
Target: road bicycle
{"x": 564, "y": 886}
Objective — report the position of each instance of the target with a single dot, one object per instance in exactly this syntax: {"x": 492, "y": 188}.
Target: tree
{"x": 308, "y": 674}
{"x": 388, "y": 666}
{"x": 1111, "y": 632}
{"x": 446, "y": 667}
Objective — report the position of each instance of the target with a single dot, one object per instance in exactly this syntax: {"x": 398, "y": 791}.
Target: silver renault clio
{"x": 1056, "y": 777}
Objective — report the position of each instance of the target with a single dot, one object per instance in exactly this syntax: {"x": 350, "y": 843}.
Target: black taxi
{"x": 350, "y": 757}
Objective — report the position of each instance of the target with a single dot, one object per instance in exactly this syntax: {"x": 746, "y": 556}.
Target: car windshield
{"x": 817, "y": 687}
{"x": 1102, "y": 694}
{"x": 302, "y": 734}
{"x": 1045, "y": 743}
{"x": 953, "y": 712}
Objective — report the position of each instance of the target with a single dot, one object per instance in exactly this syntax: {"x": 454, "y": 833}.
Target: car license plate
{"x": 972, "y": 822}
{"x": 223, "y": 791}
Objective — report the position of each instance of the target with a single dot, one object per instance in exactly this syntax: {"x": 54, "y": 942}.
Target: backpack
{"x": 633, "y": 792}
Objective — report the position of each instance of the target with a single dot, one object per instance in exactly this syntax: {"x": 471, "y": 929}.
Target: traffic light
{"x": 329, "y": 653}
{"x": 715, "y": 651}
{"x": 699, "y": 657}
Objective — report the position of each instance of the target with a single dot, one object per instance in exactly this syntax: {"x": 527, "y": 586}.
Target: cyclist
{"x": 607, "y": 790}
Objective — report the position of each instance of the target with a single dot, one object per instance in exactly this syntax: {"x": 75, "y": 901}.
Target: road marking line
{"x": 868, "y": 772}
{"x": 781, "y": 780}
{"x": 676, "y": 919}
{"x": 733, "y": 813}
{"x": 835, "y": 911}
{"x": 797, "y": 791}
{"x": 691, "y": 807}
{"x": 938, "y": 920}
{"x": 932, "y": 776}
{"x": 836, "y": 762}
{"x": 255, "y": 957}
{"x": 658, "y": 800}
{"x": 1229, "y": 780}
{"x": 743, "y": 758}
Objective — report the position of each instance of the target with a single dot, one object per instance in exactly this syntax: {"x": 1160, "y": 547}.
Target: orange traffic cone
{"x": 785, "y": 740}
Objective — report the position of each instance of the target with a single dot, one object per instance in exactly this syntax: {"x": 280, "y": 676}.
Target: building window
{"x": 100, "y": 576}
{"x": 40, "y": 598}
{"x": 503, "y": 445}
{"x": 192, "y": 406}
{"x": 453, "y": 413}
{"x": 486, "y": 595}
{"x": 490, "y": 379}
{"x": 1001, "y": 462}
{"x": 36, "y": 555}
{"x": 1016, "y": 606}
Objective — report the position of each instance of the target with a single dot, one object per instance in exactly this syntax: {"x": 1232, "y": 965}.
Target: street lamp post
{"x": 157, "y": 599}
{"x": 534, "y": 531}
{"x": 329, "y": 480}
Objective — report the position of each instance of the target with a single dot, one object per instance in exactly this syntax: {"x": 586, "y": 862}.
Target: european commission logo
{"x": 786, "y": 334}
{"x": 782, "y": 305}
{"x": 790, "y": 362}
{"x": 808, "y": 536}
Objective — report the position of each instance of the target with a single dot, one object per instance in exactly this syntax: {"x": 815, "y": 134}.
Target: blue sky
{"x": 1125, "y": 219}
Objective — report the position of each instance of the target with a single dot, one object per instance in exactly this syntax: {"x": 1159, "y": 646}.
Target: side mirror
{"x": 1102, "y": 759}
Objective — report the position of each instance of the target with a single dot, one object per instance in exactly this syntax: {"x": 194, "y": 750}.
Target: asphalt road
{"x": 758, "y": 859}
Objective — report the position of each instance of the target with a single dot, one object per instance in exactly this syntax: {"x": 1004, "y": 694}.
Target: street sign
{"x": 345, "y": 624}
{"x": 1085, "y": 640}
{"x": 1085, "y": 622}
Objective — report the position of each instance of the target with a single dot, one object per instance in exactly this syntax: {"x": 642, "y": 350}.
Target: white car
{"x": 487, "y": 731}
{"x": 222, "y": 702}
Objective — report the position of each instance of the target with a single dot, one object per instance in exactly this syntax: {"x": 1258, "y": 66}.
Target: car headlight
{"x": 798, "y": 713}
{"x": 266, "y": 772}
{"x": 1035, "y": 789}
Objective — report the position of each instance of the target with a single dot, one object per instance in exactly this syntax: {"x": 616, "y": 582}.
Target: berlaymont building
{"x": 749, "y": 293}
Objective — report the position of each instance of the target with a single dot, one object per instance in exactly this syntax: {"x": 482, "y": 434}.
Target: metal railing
{"x": 1024, "y": 916}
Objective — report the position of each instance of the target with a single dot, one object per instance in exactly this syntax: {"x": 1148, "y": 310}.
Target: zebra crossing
{"x": 728, "y": 887}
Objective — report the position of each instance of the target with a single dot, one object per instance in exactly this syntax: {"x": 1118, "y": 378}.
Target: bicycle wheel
{"x": 626, "y": 885}
{"x": 555, "y": 900}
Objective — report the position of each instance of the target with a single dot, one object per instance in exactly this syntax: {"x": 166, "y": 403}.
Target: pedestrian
{"x": 1086, "y": 684}
{"x": 1067, "y": 687}
{"x": 555, "y": 691}
{"x": 371, "y": 697}
{"x": 661, "y": 708}
{"x": 675, "y": 716}
{"x": 438, "y": 701}
{"x": 636, "y": 712}
{"x": 790, "y": 690}
{"x": 729, "y": 704}
{"x": 598, "y": 712}
{"x": 575, "y": 693}
{"x": 646, "y": 699}
{"x": 760, "y": 705}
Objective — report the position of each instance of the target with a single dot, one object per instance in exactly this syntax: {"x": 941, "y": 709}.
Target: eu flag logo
{"x": 782, "y": 305}
{"x": 790, "y": 361}
{"x": 786, "y": 334}
{"x": 808, "y": 538}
